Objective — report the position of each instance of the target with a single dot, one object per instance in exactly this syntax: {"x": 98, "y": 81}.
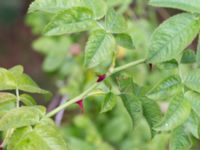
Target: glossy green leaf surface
{"x": 177, "y": 113}
{"x": 172, "y": 37}
{"x": 72, "y": 20}
{"x": 99, "y": 48}
{"x": 190, "y": 6}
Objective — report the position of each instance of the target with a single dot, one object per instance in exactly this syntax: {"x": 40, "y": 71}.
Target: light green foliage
{"x": 27, "y": 100}
{"x": 43, "y": 136}
{"x": 190, "y": 6}
{"x": 124, "y": 40}
{"x": 172, "y": 37}
{"x": 177, "y": 113}
{"x": 188, "y": 56}
{"x": 191, "y": 80}
{"x": 20, "y": 117}
{"x": 180, "y": 140}
{"x": 15, "y": 79}
{"x": 108, "y": 103}
{"x": 198, "y": 52}
{"x": 69, "y": 21}
{"x": 114, "y": 22}
{"x": 99, "y": 48}
{"x": 166, "y": 88}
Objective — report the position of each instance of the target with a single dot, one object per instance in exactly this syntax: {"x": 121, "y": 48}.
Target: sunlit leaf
{"x": 20, "y": 117}
{"x": 172, "y": 37}
{"x": 191, "y": 6}
{"x": 73, "y": 20}
{"x": 99, "y": 48}
{"x": 43, "y": 136}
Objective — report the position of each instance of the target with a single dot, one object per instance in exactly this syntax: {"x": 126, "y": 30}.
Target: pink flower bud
{"x": 101, "y": 78}
{"x": 80, "y": 104}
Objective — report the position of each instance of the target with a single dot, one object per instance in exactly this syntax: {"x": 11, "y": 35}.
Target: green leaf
{"x": 72, "y": 20}
{"x": 25, "y": 83}
{"x": 192, "y": 80}
{"x": 133, "y": 105}
{"x": 172, "y": 37}
{"x": 27, "y": 100}
{"x": 108, "y": 103}
{"x": 190, "y": 6}
{"x": 188, "y": 57}
{"x": 7, "y": 97}
{"x": 99, "y": 48}
{"x": 124, "y": 40}
{"x": 152, "y": 113}
{"x": 43, "y": 136}
{"x": 114, "y": 22}
{"x": 127, "y": 85}
{"x": 194, "y": 99}
{"x": 198, "y": 53}
{"x": 192, "y": 124}
{"x": 180, "y": 140}
{"x": 20, "y": 117}
{"x": 166, "y": 88}
{"x": 177, "y": 113}
{"x": 171, "y": 64}
{"x": 17, "y": 69}
{"x": 98, "y": 7}
{"x": 52, "y": 6}
{"x": 15, "y": 79}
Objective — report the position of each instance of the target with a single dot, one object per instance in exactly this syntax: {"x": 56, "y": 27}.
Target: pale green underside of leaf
{"x": 99, "y": 48}
{"x": 108, "y": 103}
{"x": 194, "y": 99}
{"x": 73, "y": 20}
{"x": 20, "y": 117}
{"x": 192, "y": 80}
{"x": 172, "y": 37}
{"x": 114, "y": 22}
{"x": 177, "y": 113}
{"x": 44, "y": 136}
{"x": 180, "y": 140}
{"x": 186, "y": 5}
{"x": 166, "y": 88}
{"x": 6, "y": 97}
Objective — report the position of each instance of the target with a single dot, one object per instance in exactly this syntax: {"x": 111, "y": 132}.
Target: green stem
{"x": 92, "y": 87}
{"x": 18, "y": 98}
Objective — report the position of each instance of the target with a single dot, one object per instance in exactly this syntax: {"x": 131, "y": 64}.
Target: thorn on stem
{"x": 80, "y": 104}
{"x": 101, "y": 77}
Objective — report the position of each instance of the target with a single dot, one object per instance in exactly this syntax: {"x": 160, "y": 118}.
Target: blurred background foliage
{"x": 56, "y": 64}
